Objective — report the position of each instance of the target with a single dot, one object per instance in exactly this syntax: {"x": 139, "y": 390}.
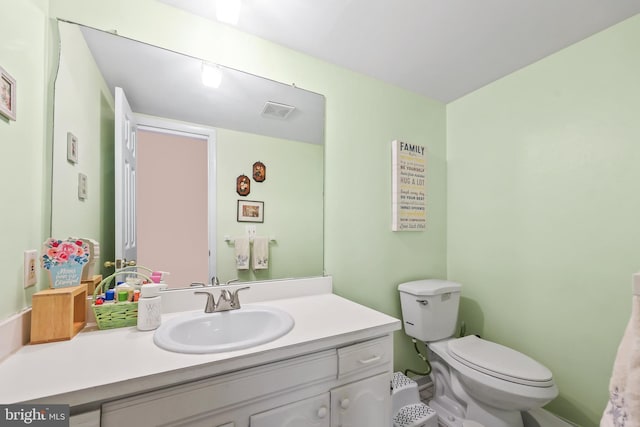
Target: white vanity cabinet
{"x": 346, "y": 386}
{"x": 362, "y": 403}
{"x": 312, "y": 412}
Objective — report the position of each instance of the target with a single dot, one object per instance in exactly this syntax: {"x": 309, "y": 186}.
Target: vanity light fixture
{"x": 228, "y": 11}
{"x": 211, "y": 75}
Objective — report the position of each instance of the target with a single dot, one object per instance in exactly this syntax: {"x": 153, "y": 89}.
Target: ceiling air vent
{"x": 276, "y": 110}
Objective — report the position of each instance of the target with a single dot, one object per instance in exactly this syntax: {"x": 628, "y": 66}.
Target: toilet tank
{"x": 430, "y": 308}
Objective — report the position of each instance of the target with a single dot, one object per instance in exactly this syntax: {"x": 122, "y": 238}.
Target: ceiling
{"x": 442, "y": 49}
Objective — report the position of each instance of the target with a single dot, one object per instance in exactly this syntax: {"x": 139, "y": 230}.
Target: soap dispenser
{"x": 150, "y": 306}
{"x": 159, "y": 276}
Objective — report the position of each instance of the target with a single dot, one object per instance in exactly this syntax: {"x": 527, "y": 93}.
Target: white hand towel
{"x": 260, "y": 253}
{"x": 623, "y": 409}
{"x": 242, "y": 253}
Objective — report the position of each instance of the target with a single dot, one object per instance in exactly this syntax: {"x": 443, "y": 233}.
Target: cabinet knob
{"x": 322, "y": 412}
{"x": 344, "y": 403}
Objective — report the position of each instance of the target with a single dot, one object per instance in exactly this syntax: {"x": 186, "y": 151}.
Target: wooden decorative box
{"x": 92, "y": 283}
{"x": 58, "y": 314}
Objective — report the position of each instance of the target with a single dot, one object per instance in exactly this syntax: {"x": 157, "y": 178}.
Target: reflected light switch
{"x": 82, "y": 186}
{"x": 250, "y": 230}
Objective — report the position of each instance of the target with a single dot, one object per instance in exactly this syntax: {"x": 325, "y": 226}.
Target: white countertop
{"x": 101, "y": 365}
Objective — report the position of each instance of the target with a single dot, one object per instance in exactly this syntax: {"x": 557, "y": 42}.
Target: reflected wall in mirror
{"x": 190, "y": 144}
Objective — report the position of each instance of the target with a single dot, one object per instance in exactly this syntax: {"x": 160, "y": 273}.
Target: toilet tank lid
{"x": 429, "y": 287}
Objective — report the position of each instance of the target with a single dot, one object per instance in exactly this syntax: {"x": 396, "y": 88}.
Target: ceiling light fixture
{"x": 211, "y": 75}
{"x": 228, "y": 11}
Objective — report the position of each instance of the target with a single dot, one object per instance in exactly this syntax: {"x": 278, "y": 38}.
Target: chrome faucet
{"x": 215, "y": 281}
{"x": 210, "y": 307}
{"x": 228, "y": 300}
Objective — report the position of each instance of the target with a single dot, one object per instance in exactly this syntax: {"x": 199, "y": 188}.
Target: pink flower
{"x": 62, "y": 257}
{"x": 51, "y": 252}
{"x": 79, "y": 251}
{"x": 68, "y": 248}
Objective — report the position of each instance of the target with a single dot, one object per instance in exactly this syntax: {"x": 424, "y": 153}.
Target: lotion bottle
{"x": 150, "y": 306}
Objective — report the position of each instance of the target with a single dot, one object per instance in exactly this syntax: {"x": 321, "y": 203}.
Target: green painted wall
{"x": 23, "y": 54}
{"x": 543, "y": 202}
{"x": 365, "y": 258}
{"x": 292, "y": 194}
{"x": 83, "y": 106}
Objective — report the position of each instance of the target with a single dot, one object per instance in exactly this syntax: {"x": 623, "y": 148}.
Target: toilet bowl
{"x": 487, "y": 382}
{"x": 474, "y": 379}
{"x": 515, "y": 381}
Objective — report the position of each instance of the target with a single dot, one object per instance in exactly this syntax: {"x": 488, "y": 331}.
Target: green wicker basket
{"x": 119, "y": 314}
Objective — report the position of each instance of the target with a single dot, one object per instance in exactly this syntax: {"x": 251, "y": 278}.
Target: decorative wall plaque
{"x": 259, "y": 172}
{"x": 243, "y": 185}
{"x": 409, "y": 187}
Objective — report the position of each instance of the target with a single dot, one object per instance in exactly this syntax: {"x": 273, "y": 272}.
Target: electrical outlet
{"x": 30, "y": 268}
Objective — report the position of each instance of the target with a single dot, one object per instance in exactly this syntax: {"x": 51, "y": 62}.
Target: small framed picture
{"x": 8, "y": 96}
{"x": 250, "y": 211}
{"x": 72, "y": 148}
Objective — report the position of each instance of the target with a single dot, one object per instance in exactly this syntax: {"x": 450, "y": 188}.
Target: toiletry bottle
{"x": 149, "y": 306}
{"x": 122, "y": 286}
{"x": 159, "y": 276}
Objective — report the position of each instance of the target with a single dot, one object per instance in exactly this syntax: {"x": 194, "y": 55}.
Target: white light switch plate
{"x": 250, "y": 231}
{"x": 30, "y": 268}
{"x": 82, "y": 186}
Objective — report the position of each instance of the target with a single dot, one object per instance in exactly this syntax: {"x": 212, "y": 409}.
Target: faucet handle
{"x": 211, "y": 304}
{"x": 235, "y": 301}
{"x": 231, "y": 281}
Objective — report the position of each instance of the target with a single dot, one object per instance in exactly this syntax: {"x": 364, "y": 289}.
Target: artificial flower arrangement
{"x": 64, "y": 260}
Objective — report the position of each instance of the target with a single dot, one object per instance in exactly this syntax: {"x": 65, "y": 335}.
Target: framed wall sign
{"x": 250, "y": 211}
{"x": 8, "y": 98}
{"x": 409, "y": 186}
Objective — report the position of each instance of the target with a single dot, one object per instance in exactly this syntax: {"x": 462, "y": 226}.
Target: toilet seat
{"x": 499, "y": 361}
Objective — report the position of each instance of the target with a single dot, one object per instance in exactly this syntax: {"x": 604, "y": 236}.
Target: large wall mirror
{"x": 148, "y": 148}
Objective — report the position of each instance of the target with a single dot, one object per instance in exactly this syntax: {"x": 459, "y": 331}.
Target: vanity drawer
{"x": 217, "y": 400}
{"x": 360, "y": 357}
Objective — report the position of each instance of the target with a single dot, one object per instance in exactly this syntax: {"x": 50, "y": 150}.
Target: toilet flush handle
{"x": 422, "y": 301}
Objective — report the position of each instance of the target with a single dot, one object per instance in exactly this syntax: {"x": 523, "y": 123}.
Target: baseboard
{"x": 14, "y": 333}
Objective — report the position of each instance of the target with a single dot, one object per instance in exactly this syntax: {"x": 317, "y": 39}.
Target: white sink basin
{"x": 223, "y": 331}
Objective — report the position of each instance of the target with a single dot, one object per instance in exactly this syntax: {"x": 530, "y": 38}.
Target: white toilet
{"x": 474, "y": 379}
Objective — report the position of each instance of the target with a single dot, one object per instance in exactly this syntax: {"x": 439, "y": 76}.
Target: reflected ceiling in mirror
{"x": 170, "y": 84}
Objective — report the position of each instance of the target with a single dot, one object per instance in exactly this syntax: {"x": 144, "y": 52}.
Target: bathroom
{"x": 531, "y": 190}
